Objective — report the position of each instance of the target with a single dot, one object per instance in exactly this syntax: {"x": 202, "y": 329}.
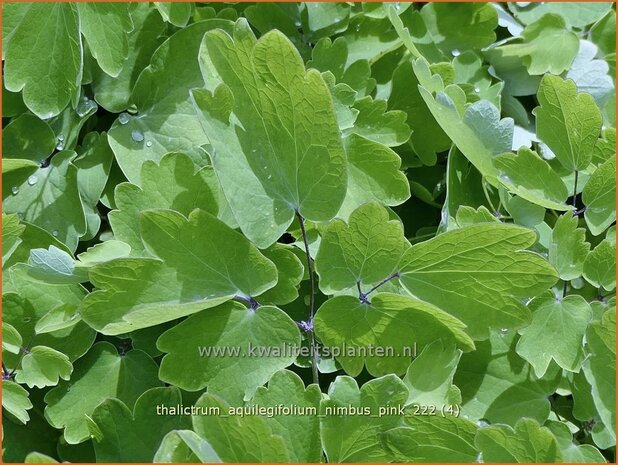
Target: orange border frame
{"x": 250, "y": 1}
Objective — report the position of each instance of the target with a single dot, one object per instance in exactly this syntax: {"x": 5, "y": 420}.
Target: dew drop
{"x": 123, "y": 118}
{"x": 55, "y": 233}
{"x": 32, "y": 180}
{"x": 477, "y": 89}
{"x": 148, "y": 143}
{"x": 60, "y": 138}
{"x": 505, "y": 178}
{"x": 60, "y": 144}
{"x": 397, "y": 6}
{"x": 85, "y": 107}
{"x": 137, "y": 136}
{"x": 269, "y": 176}
{"x": 504, "y": 330}
{"x": 15, "y": 190}
{"x": 455, "y": 52}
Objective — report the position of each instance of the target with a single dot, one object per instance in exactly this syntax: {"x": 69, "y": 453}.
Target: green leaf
{"x": 36, "y": 457}
{"x": 176, "y": 13}
{"x": 11, "y": 339}
{"x": 93, "y": 168}
{"x": 281, "y": 168}
{"x": 431, "y": 439}
{"x": 54, "y": 266}
{"x": 599, "y": 196}
{"x": 50, "y": 199}
{"x": 100, "y": 374}
{"x": 104, "y": 252}
{"x": 228, "y": 341}
{"x": 532, "y": 178}
{"x": 346, "y": 322}
{"x": 481, "y": 285}
{"x": 113, "y": 93}
{"x": 602, "y": 33}
{"x": 50, "y": 77}
{"x": 600, "y": 265}
{"x": 460, "y": 26}
{"x": 290, "y": 272}
{"x": 238, "y": 438}
{"x": 570, "y": 450}
{"x": 15, "y": 401}
{"x": 134, "y": 435}
{"x": 28, "y": 137}
{"x": 568, "y": 248}
{"x": 12, "y": 229}
{"x": 43, "y": 366}
{"x": 185, "y": 446}
{"x": 430, "y": 375}
{"x": 575, "y": 14}
{"x": 72, "y": 339}
{"x": 467, "y": 216}
{"x": 358, "y": 437}
{"x": 497, "y": 385}
{"x": 427, "y": 137}
{"x": 324, "y": 19}
{"x": 219, "y": 264}
{"x": 479, "y": 132}
{"x": 105, "y": 27}
{"x": 15, "y": 172}
{"x": 591, "y": 75}
{"x": 165, "y": 120}
{"x": 364, "y": 251}
{"x": 30, "y": 237}
{"x": 567, "y": 121}
{"x": 373, "y": 175}
{"x": 600, "y": 369}
{"x": 375, "y": 123}
{"x": 555, "y": 333}
{"x": 545, "y": 46}
{"x": 172, "y": 184}
{"x": 300, "y": 432}
{"x": 526, "y": 443}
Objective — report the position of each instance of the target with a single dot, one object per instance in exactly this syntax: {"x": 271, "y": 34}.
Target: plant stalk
{"x": 314, "y": 353}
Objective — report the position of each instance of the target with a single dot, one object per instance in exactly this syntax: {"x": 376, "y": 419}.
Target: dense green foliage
{"x": 182, "y": 181}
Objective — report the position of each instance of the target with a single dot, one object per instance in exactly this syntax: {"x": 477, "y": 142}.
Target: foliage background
{"x": 452, "y": 167}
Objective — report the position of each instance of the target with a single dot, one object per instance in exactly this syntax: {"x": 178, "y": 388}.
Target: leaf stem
{"x": 250, "y": 301}
{"x": 309, "y": 326}
{"x": 363, "y": 295}
{"x": 575, "y": 189}
{"x": 486, "y": 192}
{"x": 24, "y": 350}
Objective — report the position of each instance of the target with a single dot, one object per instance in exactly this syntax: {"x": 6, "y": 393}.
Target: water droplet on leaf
{"x": 137, "y": 136}
{"x": 32, "y": 180}
{"x": 55, "y": 233}
{"x": 85, "y": 107}
{"x": 455, "y": 52}
{"x": 148, "y": 143}
{"x": 123, "y": 118}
